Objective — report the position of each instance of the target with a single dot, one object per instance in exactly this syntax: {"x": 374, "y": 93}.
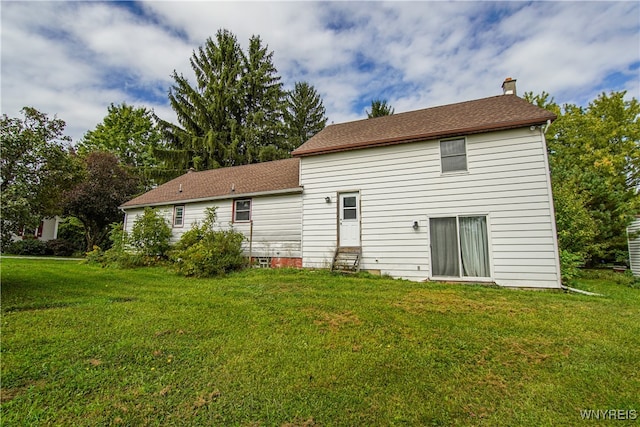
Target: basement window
{"x": 453, "y": 154}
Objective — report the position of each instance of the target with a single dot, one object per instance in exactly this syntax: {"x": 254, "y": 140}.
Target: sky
{"x": 73, "y": 59}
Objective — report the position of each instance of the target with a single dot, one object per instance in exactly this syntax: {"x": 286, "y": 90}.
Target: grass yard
{"x": 83, "y": 345}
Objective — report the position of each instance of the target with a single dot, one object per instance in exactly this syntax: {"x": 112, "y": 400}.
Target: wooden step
{"x": 346, "y": 259}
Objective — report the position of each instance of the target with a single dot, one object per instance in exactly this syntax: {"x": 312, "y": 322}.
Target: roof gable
{"x": 465, "y": 118}
{"x": 231, "y": 182}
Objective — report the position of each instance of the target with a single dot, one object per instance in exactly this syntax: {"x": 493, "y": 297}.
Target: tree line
{"x": 594, "y": 158}
{"x": 236, "y": 111}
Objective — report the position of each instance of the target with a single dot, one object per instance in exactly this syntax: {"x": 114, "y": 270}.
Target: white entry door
{"x": 349, "y": 220}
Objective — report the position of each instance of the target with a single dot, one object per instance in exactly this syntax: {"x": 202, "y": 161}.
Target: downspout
{"x": 250, "y": 243}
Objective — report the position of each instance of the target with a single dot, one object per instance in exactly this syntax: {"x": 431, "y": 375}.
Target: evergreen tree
{"x": 233, "y": 114}
{"x": 379, "y": 108}
{"x": 304, "y": 115}
{"x": 263, "y": 100}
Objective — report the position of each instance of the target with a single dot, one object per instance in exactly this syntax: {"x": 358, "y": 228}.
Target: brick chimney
{"x": 509, "y": 86}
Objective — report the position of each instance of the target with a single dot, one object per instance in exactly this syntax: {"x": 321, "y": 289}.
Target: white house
{"x": 634, "y": 246}
{"x": 47, "y": 230}
{"x": 261, "y": 200}
{"x": 459, "y": 192}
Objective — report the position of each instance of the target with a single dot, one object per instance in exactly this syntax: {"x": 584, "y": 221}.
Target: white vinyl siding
{"x": 634, "y": 247}
{"x": 275, "y": 218}
{"x": 507, "y": 181}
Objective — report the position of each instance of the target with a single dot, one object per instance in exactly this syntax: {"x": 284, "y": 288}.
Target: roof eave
{"x": 293, "y": 190}
{"x": 424, "y": 137}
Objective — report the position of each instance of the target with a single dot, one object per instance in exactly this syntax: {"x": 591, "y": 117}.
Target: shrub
{"x": 116, "y": 255}
{"x": 120, "y": 254}
{"x": 150, "y": 234}
{"x": 95, "y": 256}
{"x": 204, "y": 251}
{"x": 570, "y": 264}
{"x": 71, "y": 230}
{"x": 146, "y": 245}
{"x": 27, "y": 247}
{"x": 61, "y": 247}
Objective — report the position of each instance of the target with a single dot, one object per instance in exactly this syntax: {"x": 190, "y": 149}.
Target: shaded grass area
{"x": 83, "y": 345}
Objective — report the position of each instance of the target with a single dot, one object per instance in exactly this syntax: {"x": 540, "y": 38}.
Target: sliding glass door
{"x": 459, "y": 247}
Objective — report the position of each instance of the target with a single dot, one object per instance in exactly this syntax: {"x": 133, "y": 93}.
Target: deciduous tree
{"x": 594, "y": 157}
{"x": 131, "y": 135}
{"x": 35, "y": 165}
{"x": 105, "y": 185}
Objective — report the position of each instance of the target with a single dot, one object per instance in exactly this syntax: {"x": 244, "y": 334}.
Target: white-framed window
{"x": 178, "y": 216}
{"x": 453, "y": 155}
{"x": 459, "y": 246}
{"x": 242, "y": 210}
{"x": 350, "y": 207}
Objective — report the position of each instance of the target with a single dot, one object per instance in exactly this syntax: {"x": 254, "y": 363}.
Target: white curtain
{"x": 444, "y": 247}
{"x": 473, "y": 246}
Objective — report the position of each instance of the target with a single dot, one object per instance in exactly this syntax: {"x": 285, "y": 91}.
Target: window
{"x": 454, "y": 155}
{"x": 459, "y": 246}
{"x": 242, "y": 210}
{"x": 178, "y": 216}
{"x": 350, "y": 208}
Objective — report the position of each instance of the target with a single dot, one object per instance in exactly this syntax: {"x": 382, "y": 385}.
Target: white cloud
{"x": 74, "y": 59}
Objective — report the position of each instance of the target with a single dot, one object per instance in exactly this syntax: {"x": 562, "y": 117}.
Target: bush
{"x": 71, "y": 230}
{"x": 61, "y": 247}
{"x": 204, "y": 252}
{"x": 570, "y": 264}
{"x": 150, "y": 234}
{"x": 115, "y": 256}
{"x": 27, "y": 247}
{"x": 146, "y": 245}
{"x": 119, "y": 255}
{"x": 95, "y": 256}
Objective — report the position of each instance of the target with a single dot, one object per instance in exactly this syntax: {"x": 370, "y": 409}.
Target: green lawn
{"x": 82, "y": 345}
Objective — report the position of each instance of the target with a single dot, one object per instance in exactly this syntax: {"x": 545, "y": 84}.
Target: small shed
{"x": 634, "y": 246}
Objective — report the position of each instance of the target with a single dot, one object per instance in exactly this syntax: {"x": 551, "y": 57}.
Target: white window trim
{"x": 466, "y": 157}
{"x": 235, "y": 210}
{"x": 175, "y": 216}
